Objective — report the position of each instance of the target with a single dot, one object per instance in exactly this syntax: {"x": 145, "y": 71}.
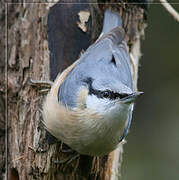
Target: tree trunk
{"x": 30, "y": 153}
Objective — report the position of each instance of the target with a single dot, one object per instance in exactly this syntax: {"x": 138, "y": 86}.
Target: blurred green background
{"x": 152, "y": 151}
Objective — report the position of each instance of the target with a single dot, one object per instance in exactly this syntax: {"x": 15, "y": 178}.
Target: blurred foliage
{"x": 152, "y": 151}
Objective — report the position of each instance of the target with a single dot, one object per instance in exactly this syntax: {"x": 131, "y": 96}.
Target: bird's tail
{"x": 111, "y": 21}
{"x": 112, "y": 27}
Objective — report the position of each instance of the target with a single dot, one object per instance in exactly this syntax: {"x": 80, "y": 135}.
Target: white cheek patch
{"x": 99, "y": 105}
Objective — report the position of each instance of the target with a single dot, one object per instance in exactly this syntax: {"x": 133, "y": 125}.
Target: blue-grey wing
{"x": 126, "y": 130}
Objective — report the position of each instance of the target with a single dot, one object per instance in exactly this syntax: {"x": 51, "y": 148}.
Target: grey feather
{"x": 111, "y": 20}
{"x": 126, "y": 130}
{"x": 96, "y": 63}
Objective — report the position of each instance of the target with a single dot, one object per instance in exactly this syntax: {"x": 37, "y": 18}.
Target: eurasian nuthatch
{"x": 90, "y": 104}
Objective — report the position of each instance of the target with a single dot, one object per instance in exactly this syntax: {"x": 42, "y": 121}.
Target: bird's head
{"x": 105, "y": 94}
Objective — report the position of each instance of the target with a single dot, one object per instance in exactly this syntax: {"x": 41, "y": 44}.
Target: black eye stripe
{"x": 123, "y": 95}
{"x": 104, "y": 94}
{"x": 107, "y": 94}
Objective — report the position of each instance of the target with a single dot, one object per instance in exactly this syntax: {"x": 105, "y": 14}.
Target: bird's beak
{"x": 131, "y": 97}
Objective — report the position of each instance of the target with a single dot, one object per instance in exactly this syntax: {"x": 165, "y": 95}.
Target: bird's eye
{"x": 106, "y": 94}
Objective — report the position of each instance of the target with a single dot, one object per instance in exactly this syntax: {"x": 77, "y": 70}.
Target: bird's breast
{"x": 101, "y": 134}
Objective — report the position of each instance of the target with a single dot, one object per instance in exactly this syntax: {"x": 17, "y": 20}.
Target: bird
{"x": 90, "y": 104}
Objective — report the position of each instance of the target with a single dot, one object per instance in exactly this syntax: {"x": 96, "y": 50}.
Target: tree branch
{"x": 170, "y": 9}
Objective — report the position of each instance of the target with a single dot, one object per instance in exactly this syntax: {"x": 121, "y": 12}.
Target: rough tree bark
{"x": 30, "y": 155}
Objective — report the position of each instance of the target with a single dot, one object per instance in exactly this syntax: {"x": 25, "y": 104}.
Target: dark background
{"x": 152, "y": 151}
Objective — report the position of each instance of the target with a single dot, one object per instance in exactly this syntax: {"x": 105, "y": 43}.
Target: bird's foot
{"x": 44, "y": 86}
